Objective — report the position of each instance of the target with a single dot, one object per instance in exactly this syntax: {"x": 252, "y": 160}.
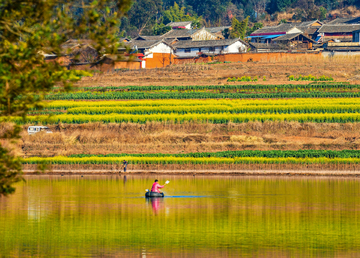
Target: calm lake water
{"x": 91, "y": 216}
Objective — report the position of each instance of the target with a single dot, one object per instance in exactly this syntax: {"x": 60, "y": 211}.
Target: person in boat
{"x": 156, "y": 187}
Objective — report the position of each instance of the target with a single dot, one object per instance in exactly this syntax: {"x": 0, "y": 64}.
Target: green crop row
{"x": 310, "y": 77}
{"x": 198, "y": 95}
{"x": 246, "y": 153}
{"x": 245, "y": 79}
{"x": 223, "y": 87}
{"x": 188, "y": 160}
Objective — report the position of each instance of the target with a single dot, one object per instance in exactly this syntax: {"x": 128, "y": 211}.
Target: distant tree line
{"x": 150, "y": 17}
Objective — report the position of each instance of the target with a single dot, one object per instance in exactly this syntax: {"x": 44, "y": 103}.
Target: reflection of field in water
{"x": 210, "y": 216}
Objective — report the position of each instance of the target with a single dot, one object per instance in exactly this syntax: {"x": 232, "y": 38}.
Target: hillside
{"x": 150, "y": 17}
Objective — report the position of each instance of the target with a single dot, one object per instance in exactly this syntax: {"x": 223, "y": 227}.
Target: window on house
{"x": 187, "y": 50}
{"x": 212, "y": 49}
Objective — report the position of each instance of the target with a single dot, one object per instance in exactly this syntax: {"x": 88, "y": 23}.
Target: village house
{"x": 153, "y": 53}
{"x": 309, "y": 28}
{"x": 295, "y": 41}
{"x": 267, "y": 34}
{"x": 340, "y": 29}
{"x": 190, "y": 49}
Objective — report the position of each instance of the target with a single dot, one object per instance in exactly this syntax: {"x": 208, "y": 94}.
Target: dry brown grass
{"x": 341, "y": 68}
{"x": 97, "y": 138}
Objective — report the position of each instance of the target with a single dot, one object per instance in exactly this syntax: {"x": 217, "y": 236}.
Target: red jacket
{"x": 155, "y": 187}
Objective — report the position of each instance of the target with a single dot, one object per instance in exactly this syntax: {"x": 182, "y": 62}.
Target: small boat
{"x": 153, "y": 194}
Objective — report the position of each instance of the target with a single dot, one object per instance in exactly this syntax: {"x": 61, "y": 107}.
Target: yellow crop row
{"x": 213, "y": 118}
{"x": 299, "y": 108}
{"x": 190, "y": 102}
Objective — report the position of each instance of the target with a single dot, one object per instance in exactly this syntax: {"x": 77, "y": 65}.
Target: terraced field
{"x": 323, "y": 103}
{"x": 329, "y": 110}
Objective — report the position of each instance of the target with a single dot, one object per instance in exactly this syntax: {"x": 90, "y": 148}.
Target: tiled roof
{"x": 290, "y": 37}
{"x": 341, "y": 25}
{"x": 205, "y": 43}
{"x": 183, "y": 33}
{"x": 308, "y": 30}
{"x": 307, "y": 23}
{"x": 284, "y": 27}
{"x": 217, "y": 29}
{"x": 143, "y": 44}
{"x": 148, "y": 38}
{"x": 338, "y": 28}
{"x": 179, "y": 24}
{"x": 349, "y": 21}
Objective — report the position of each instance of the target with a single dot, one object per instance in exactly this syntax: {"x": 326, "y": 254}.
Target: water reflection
{"x": 236, "y": 217}
{"x": 125, "y": 180}
{"x": 156, "y": 203}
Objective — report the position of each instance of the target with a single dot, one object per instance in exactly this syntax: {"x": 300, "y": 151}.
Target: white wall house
{"x": 148, "y": 48}
{"x": 212, "y": 47}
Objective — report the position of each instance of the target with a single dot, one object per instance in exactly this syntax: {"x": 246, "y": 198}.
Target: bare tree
{"x": 259, "y": 6}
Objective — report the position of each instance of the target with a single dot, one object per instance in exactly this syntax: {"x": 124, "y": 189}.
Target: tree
{"x": 259, "y": 7}
{"x": 143, "y": 12}
{"x": 232, "y": 11}
{"x": 177, "y": 14}
{"x": 160, "y": 29}
{"x": 27, "y": 29}
{"x": 239, "y": 28}
{"x": 256, "y": 26}
{"x": 196, "y": 24}
{"x": 209, "y": 9}
{"x": 279, "y": 5}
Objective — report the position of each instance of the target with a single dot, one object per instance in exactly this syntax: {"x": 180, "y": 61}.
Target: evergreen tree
{"x": 239, "y": 28}
{"x": 177, "y": 14}
{"x": 279, "y": 5}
